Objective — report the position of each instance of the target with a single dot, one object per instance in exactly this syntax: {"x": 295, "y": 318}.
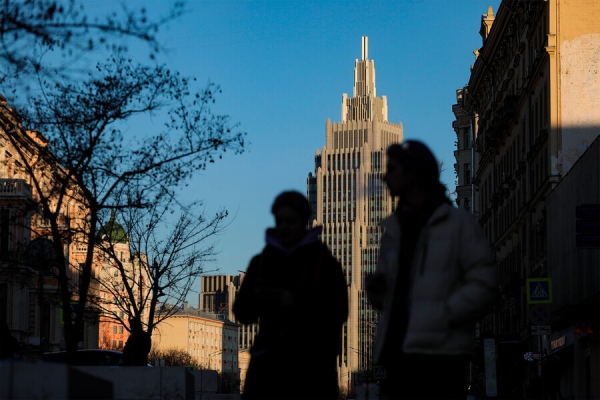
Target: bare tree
{"x": 165, "y": 258}
{"x": 47, "y": 37}
{"x": 173, "y": 357}
{"x": 101, "y": 167}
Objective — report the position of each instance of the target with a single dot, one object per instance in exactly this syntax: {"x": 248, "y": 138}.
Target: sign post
{"x": 489, "y": 356}
{"x": 538, "y": 330}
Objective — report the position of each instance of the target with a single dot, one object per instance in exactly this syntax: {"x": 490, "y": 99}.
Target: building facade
{"x": 212, "y": 342}
{"x": 112, "y": 246}
{"x": 349, "y": 199}
{"x": 528, "y": 114}
{"x": 573, "y": 226}
{"x": 217, "y": 296}
{"x": 29, "y": 287}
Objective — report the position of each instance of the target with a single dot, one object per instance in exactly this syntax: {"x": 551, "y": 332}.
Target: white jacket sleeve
{"x": 478, "y": 288}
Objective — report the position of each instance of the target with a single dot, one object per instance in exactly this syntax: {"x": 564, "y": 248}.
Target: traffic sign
{"x": 378, "y": 372}
{"x": 538, "y": 330}
{"x": 539, "y": 290}
{"x": 532, "y": 355}
{"x": 539, "y": 314}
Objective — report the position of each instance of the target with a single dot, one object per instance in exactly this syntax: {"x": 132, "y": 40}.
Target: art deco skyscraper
{"x": 349, "y": 199}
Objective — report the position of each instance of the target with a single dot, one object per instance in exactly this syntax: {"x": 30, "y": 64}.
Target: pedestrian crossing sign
{"x": 378, "y": 372}
{"x": 539, "y": 290}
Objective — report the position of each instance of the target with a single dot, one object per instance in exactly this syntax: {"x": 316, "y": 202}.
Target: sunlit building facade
{"x": 212, "y": 343}
{"x": 29, "y": 285}
{"x": 115, "y": 312}
{"x": 349, "y": 198}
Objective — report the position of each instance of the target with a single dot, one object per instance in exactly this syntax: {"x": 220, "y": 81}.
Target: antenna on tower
{"x": 365, "y": 48}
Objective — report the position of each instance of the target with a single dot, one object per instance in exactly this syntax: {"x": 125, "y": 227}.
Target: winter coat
{"x": 299, "y": 299}
{"x": 453, "y": 278}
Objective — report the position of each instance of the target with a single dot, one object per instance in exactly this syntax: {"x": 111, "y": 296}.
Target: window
{"x": 467, "y": 204}
{"x": 467, "y": 174}
{"x": 115, "y": 329}
{"x": 114, "y": 344}
{"x": 121, "y": 329}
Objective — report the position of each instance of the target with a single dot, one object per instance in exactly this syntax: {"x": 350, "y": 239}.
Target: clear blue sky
{"x": 283, "y": 67}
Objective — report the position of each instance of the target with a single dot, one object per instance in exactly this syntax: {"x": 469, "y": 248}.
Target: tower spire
{"x": 364, "y": 105}
{"x": 365, "y": 48}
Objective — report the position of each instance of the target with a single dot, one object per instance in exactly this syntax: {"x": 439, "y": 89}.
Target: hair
{"x": 418, "y": 158}
{"x": 295, "y": 200}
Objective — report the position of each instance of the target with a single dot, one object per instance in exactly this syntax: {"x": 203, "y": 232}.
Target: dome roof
{"x": 112, "y": 231}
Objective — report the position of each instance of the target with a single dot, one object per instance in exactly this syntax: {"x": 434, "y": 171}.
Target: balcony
{"x": 14, "y": 189}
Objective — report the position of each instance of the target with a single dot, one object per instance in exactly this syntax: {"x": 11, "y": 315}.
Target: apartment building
{"x": 212, "y": 342}
{"x": 527, "y": 117}
{"x": 349, "y": 199}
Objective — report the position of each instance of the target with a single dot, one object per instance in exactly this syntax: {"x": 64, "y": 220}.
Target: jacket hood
{"x": 311, "y": 236}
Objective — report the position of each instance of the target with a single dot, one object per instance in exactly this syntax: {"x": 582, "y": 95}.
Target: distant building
{"x": 114, "y": 318}
{"x": 526, "y": 119}
{"x": 349, "y": 198}
{"x": 217, "y": 295}
{"x": 212, "y": 342}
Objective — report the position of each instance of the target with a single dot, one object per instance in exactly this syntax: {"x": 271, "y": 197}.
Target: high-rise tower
{"x": 349, "y": 199}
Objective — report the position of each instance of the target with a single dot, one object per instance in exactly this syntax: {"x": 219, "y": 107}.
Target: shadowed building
{"x": 349, "y": 198}
{"x": 527, "y": 168}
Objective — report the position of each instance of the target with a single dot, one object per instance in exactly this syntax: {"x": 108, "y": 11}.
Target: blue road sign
{"x": 539, "y": 290}
{"x": 378, "y": 372}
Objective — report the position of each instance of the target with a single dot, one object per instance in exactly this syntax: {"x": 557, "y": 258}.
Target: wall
{"x": 579, "y": 75}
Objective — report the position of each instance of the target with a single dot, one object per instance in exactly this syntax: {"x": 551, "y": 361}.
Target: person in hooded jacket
{"x": 296, "y": 290}
{"x": 435, "y": 274}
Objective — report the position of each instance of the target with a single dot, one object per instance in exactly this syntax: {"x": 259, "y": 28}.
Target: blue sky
{"x": 283, "y": 67}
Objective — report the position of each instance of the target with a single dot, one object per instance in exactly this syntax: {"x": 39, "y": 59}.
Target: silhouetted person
{"x": 296, "y": 290}
{"x": 434, "y": 275}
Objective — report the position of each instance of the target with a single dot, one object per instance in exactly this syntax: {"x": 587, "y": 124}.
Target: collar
{"x": 441, "y": 212}
{"x": 311, "y": 236}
